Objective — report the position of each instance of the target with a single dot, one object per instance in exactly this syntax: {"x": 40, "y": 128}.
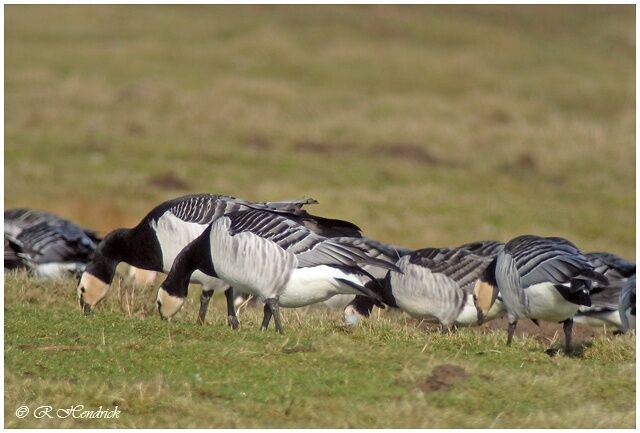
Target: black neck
{"x": 489, "y": 274}
{"x": 382, "y": 286}
{"x": 137, "y": 247}
{"x": 194, "y": 257}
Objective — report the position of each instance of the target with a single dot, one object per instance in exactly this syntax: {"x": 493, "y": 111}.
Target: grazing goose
{"x": 544, "y": 279}
{"x": 46, "y": 244}
{"x": 628, "y": 304}
{"x": 605, "y": 300}
{"x": 493, "y": 307}
{"x": 448, "y": 285}
{"x": 271, "y": 257}
{"x": 155, "y": 242}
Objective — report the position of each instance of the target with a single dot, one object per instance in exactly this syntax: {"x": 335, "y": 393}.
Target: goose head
{"x": 97, "y": 276}
{"x": 168, "y": 304}
{"x": 93, "y": 286}
{"x": 484, "y": 296}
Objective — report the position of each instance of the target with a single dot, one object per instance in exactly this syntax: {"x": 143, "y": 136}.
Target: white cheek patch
{"x": 94, "y": 289}
{"x": 170, "y": 305}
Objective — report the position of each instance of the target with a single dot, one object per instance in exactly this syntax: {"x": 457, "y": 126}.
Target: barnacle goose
{"x": 46, "y": 244}
{"x": 628, "y": 304}
{"x": 544, "y": 279}
{"x": 605, "y": 299}
{"x": 448, "y": 285}
{"x": 272, "y": 257}
{"x": 156, "y": 240}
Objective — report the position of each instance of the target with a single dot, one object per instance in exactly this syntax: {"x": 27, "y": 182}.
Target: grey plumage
{"x": 259, "y": 251}
{"x": 16, "y": 220}
{"x": 611, "y": 266}
{"x": 559, "y": 272}
{"x": 437, "y": 283}
{"x": 439, "y": 295}
{"x": 309, "y": 248}
{"x": 628, "y": 303}
{"x": 458, "y": 264}
{"x": 46, "y": 243}
{"x": 483, "y": 248}
{"x": 606, "y": 298}
{"x": 206, "y": 208}
{"x": 377, "y": 249}
{"x": 617, "y": 270}
{"x": 440, "y": 283}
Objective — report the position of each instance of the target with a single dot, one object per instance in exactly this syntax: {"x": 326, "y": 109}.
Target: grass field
{"x": 426, "y": 125}
{"x": 388, "y": 372}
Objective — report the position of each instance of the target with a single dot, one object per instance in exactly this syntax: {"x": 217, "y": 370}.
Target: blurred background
{"x": 425, "y": 125}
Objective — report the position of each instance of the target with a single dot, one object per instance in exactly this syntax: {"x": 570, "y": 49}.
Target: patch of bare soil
{"x": 525, "y": 163}
{"x": 545, "y": 332}
{"x": 169, "y": 181}
{"x": 321, "y": 147}
{"x": 443, "y": 377}
{"x": 411, "y": 152}
{"x": 259, "y": 143}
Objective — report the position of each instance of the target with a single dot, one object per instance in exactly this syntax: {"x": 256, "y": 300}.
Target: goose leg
{"x": 567, "y": 327}
{"x": 511, "y": 330}
{"x": 205, "y": 297}
{"x": 231, "y": 309}
{"x": 266, "y": 318}
{"x": 275, "y": 310}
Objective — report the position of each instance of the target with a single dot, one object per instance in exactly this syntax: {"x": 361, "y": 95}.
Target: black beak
{"x": 480, "y": 316}
{"x": 161, "y": 316}
{"x": 86, "y": 308}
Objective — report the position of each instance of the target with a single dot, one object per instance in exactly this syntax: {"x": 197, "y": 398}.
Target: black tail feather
{"x": 595, "y": 276}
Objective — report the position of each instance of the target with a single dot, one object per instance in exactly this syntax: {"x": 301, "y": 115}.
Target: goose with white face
{"x": 154, "y": 243}
{"x": 91, "y": 290}
{"x": 168, "y": 305}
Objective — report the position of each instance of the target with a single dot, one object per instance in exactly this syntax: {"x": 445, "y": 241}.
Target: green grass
{"x": 425, "y": 125}
{"x": 319, "y": 374}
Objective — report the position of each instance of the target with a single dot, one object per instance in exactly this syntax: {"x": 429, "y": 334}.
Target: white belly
{"x": 339, "y": 301}
{"x": 316, "y": 284}
{"x": 173, "y": 234}
{"x": 208, "y": 283}
{"x": 546, "y": 303}
{"x": 469, "y": 314}
{"x": 599, "y": 319}
{"x": 56, "y": 270}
